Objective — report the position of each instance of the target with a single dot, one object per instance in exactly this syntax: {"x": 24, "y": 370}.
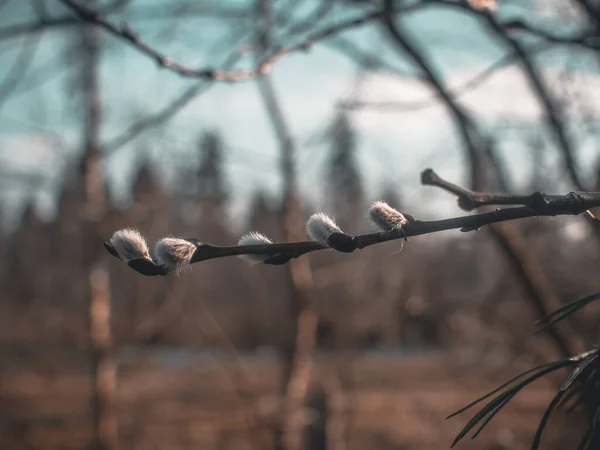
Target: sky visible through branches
{"x": 395, "y": 140}
{"x": 218, "y": 128}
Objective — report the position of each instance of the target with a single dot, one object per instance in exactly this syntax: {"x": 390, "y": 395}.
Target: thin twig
{"x": 46, "y": 22}
{"x": 469, "y": 200}
{"x": 408, "y": 46}
{"x": 164, "y": 115}
{"x": 592, "y": 10}
{"x": 125, "y": 33}
{"x": 510, "y": 240}
{"x": 587, "y": 39}
{"x": 18, "y": 71}
{"x": 368, "y": 59}
{"x": 554, "y": 115}
{"x": 477, "y": 80}
{"x": 555, "y": 118}
{"x": 297, "y": 354}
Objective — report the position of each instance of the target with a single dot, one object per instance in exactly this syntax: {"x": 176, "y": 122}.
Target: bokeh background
{"x": 332, "y": 351}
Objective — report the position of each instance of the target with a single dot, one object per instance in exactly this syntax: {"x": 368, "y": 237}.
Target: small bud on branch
{"x": 254, "y": 238}
{"x": 129, "y": 244}
{"x": 174, "y": 254}
{"x": 386, "y": 218}
{"x": 320, "y": 227}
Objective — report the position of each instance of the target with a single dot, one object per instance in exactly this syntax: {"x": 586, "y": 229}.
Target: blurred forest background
{"x": 332, "y": 351}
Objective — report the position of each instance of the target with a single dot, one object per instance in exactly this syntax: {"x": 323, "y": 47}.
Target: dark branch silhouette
{"x": 469, "y": 200}
{"x": 47, "y": 23}
{"x": 18, "y": 71}
{"x": 477, "y": 80}
{"x": 127, "y": 34}
{"x": 588, "y": 38}
{"x": 538, "y": 204}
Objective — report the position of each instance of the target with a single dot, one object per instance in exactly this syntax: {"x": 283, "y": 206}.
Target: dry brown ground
{"x": 383, "y": 403}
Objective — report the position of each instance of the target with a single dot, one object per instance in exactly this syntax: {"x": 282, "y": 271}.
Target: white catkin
{"x": 254, "y": 238}
{"x": 386, "y": 218}
{"x": 130, "y": 244}
{"x": 174, "y": 254}
{"x": 320, "y": 226}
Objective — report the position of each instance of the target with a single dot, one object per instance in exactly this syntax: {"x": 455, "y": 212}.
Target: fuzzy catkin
{"x": 320, "y": 226}
{"x": 130, "y": 244}
{"x": 174, "y": 253}
{"x": 386, "y": 218}
{"x": 254, "y": 238}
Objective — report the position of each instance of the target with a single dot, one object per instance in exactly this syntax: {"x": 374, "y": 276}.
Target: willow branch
{"x": 535, "y": 205}
{"x": 469, "y": 200}
{"x": 164, "y": 115}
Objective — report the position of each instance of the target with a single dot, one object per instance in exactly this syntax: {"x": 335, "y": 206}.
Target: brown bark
{"x": 104, "y": 366}
{"x": 297, "y": 354}
{"x": 512, "y": 244}
{"x": 104, "y": 372}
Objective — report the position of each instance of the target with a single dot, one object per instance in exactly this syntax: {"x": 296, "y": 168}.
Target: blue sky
{"x": 39, "y": 125}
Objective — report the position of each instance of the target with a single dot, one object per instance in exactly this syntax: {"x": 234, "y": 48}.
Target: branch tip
{"x": 428, "y": 176}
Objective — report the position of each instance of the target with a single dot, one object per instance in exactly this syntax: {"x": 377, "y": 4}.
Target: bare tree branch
{"x": 185, "y": 98}
{"x": 588, "y": 39}
{"x": 511, "y": 242}
{"x": 46, "y": 22}
{"x": 470, "y": 200}
{"x": 297, "y": 355}
{"x": 465, "y": 125}
{"x": 127, "y": 34}
{"x": 40, "y": 8}
{"x": 593, "y": 11}
{"x": 367, "y": 59}
{"x": 553, "y": 113}
{"x": 476, "y": 81}
{"x": 18, "y": 71}
{"x": 20, "y": 29}
{"x": 318, "y": 13}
